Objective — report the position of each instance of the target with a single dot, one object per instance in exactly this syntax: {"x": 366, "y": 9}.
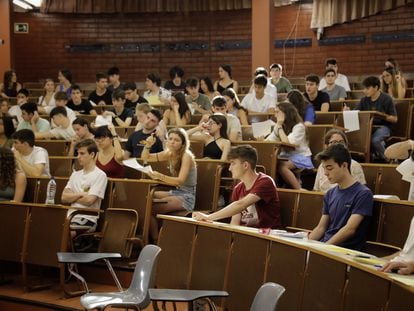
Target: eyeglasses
{"x": 21, "y": 96}
{"x": 330, "y": 76}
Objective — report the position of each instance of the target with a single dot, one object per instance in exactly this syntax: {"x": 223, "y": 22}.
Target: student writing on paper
{"x": 183, "y": 176}
{"x": 214, "y": 135}
{"x": 290, "y": 129}
{"x": 322, "y": 183}
{"x": 379, "y": 101}
{"x": 347, "y": 208}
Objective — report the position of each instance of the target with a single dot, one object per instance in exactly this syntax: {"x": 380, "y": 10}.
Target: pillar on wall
{"x": 262, "y": 33}
{"x": 5, "y": 46}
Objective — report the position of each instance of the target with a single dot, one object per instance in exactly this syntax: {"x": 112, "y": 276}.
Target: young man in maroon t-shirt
{"x": 255, "y": 199}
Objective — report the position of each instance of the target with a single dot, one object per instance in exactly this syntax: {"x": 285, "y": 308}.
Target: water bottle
{"x": 51, "y": 191}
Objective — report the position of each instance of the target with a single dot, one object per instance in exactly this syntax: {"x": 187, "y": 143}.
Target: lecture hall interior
{"x": 216, "y": 43}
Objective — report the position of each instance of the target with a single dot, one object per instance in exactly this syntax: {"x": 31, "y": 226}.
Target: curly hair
{"x": 7, "y": 168}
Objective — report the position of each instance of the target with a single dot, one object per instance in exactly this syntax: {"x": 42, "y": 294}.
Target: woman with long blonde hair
{"x": 183, "y": 175}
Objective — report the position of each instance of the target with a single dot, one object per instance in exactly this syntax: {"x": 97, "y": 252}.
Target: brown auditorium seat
{"x": 208, "y": 184}
{"x": 197, "y": 148}
{"x": 254, "y": 117}
{"x": 60, "y": 185}
{"x": 134, "y": 194}
{"x": 61, "y": 166}
{"x": 360, "y": 141}
{"x": 325, "y": 117}
{"x": 309, "y": 210}
{"x": 390, "y": 182}
{"x": 118, "y": 232}
{"x": 47, "y": 234}
{"x": 324, "y": 282}
{"x": 176, "y": 241}
{"x": 54, "y": 147}
{"x": 246, "y": 252}
{"x": 13, "y": 221}
{"x": 288, "y": 205}
{"x": 401, "y": 129}
{"x": 267, "y": 154}
{"x": 395, "y": 222}
{"x": 247, "y": 133}
{"x": 30, "y": 194}
{"x": 205, "y": 261}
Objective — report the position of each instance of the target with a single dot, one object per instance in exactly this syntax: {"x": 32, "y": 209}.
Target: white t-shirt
{"x": 341, "y": 80}
{"x": 39, "y": 155}
{"x": 15, "y": 111}
{"x": 251, "y": 103}
{"x": 48, "y": 106}
{"x": 296, "y": 137}
{"x": 93, "y": 182}
{"x": 322, "y": 183}
{"x": 233, "y": 126}
{"x": 63, "y": 133}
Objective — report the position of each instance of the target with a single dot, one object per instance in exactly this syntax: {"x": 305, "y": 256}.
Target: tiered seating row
{"x": 222, "y": 257}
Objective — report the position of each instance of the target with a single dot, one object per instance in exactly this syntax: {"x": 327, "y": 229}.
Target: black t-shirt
{"x": 125, "y": 114}
{"x": 321, "y": 98}
{"x": 84, "y": 107}
{"x": 383, "y": 103}
{"x": 135, "y": 147}
{"x": 106, "y": 97}
{"x": 169, "y": 85}
{"x": 132, "y": 105}
{"x": 112, "y": 89}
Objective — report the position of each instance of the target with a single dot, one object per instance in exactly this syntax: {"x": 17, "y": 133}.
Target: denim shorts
{"x": 188, "y": 198}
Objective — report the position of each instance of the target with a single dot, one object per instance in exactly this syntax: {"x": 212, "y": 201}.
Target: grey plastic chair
{"x": 137, "y": 295}
{"x": 267, "y": 297}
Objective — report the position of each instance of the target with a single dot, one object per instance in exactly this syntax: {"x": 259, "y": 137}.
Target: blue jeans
{"x": 377, "y": 141}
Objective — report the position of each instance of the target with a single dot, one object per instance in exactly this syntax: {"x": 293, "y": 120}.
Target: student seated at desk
{"x": 12, "y": 181}
{"x": 63, "y": 129}
{"x": 378, "y": 101}
{"x": 183, "y": 171}
{"x": 322, "y": 183}
{"x": 290, "y": 129}
{"x": 347, "y": 208}
{"x": 213, "y": 134}
{"x": 86, "y": 187}
{"x": 32, "y": 160}
{"x": 255, "y": 198}
{"x": 403, "y": 261}
{"x": 401, "y": 151}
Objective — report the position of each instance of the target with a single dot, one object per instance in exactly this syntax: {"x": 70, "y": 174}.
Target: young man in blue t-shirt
{"x": 347, "y": 208}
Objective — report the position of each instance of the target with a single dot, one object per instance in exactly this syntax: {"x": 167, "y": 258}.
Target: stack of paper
{"x": 133, "y": 163}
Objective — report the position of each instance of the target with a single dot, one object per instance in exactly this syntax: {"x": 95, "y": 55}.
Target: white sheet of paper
{"x": 262, "y": 128}
{"x": 351, "y": 120}
{"x": 406, "y": 169}
{"x": 102, "y": 121}
{"x": 133, "y": 163}
{"x": 386, "y": 196}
